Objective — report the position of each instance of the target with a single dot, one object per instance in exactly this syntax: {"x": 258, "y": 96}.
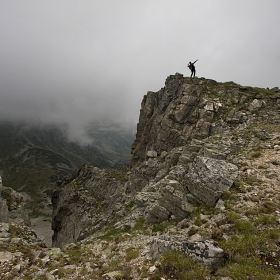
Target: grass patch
{"x": 198, "y": 221}
{"x": 74, "y": 253}
{"x": 264, "y": 91}
{"x": 115, "y": 264}
{"x": 110, "y": 233}
{"x": 181, "y": 267}
{"x": 114, "y": 234}
{"x": 245, "y": 252}
{"x": 256, "y": 154}
{"x": 268, "y": 207}
{"x": 245, "y": 227}
{"x": 158, "y": 228}
{"x": 252, "y": 180}
{"x": 246, "y": 269}
{"x": 238, "y": 186}
{"x": 131, "y": 254}
{"x": 242, "y": 245}
{"x": 230, "y": 83}
{"x": 266, "y": 220}
{"x": 139, "y": 224}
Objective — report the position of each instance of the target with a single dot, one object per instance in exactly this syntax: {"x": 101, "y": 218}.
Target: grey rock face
{"x": 172, "y": 116}
{"x": 164, "y": 199}
{"x": 11, "y": 207}
{"x": 256, "y": 105}
{"x": 88, "y": 202}
{"x": 208, "y": 178}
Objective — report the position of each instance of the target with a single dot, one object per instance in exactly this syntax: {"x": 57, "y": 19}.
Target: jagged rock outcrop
{"x": 11, "y": 206}
{"x": 83, "y": 203}
{"x": 172, "y": 116}
{"x": 208, "y": 178}
{"x": 187, "y": 153}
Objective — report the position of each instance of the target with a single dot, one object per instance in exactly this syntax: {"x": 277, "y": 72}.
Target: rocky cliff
{"x": 194, "y": 143}
{"x": 187, "y": 150}
{"x": 200, "y": 199}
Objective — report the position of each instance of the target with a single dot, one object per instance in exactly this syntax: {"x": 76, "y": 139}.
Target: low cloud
{"x": 70, "y": 63}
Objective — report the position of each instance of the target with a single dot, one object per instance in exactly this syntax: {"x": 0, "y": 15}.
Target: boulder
{"x": 256, "y": 105}
{"x": 6, "y": 256}
{"x": 204, "y": 251}
{"x": 152, "y": 154}
{"x": 208, "y": 178}
{"x": 164, "y": 199}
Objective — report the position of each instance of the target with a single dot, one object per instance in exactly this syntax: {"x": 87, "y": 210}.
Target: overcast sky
{"x": 75, "y": 61}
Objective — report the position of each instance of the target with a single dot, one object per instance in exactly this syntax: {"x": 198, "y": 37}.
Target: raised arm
{"x": 195, "y": 61}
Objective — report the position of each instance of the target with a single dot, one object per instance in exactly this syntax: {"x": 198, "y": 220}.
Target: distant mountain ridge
{"x": 33, "y": 158}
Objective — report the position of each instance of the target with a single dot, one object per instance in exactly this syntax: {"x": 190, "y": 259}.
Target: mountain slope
{"x": 199, "y": 201}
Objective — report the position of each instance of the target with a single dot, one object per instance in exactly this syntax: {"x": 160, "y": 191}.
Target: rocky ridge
{"x": 203, "y": 186}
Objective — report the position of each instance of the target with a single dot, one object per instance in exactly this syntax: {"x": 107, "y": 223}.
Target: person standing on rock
{"x": 192, "y": 68}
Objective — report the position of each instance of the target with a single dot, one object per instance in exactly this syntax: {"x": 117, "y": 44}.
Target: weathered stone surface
{"x": 164, "y": 199}
{"x": 86, "y": 203}
{"x": 256, "y": 105}
{"x": 4, "y": 212}
{"x": 275, "y": 89}
{"x": 4, "y": 227}
{"x": 262, "y": 134}
{"x": 11, "y": 206}
{"x": 208, "y": 178}
{"x": 5, "y": 256}
{"x": 275, "y": 96}
{"x": 152, "y": 154}
{"x": 111, "y": 275}
{"x": 202, "y": 250}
